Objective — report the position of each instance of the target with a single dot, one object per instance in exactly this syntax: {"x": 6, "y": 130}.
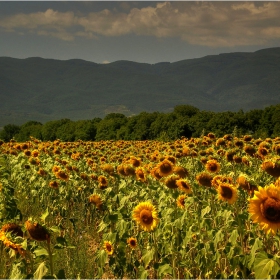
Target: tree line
{"x": 184, "y": 120}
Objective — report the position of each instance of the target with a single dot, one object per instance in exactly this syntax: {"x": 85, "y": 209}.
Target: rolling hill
{"x": 47, "y": 89}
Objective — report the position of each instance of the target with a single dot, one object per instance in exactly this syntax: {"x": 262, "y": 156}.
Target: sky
{"x": 140, "y": 31}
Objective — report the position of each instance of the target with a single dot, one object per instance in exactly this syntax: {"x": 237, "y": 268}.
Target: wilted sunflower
{"x": 145, "y": 214}
{"x": 132, "y": 242}
{"x": 265, "y": 208}
{"x": 108, "y": 247}
{"x": 140, "y": 175}
{"x": 36, "y": 231}
{"x": 213, "y": 166}
{"x": 227, "y": 192}
{"x": 181, "y": 201}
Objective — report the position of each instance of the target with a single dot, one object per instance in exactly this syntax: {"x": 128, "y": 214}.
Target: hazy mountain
{"x": 46, "y": 89}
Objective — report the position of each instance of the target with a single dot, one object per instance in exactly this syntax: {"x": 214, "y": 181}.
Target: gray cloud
{"x": 215, "y": 24}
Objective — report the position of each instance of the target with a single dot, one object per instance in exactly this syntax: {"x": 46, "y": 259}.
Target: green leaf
{"x": 205, "y": 211}
{"x": 257, "y": 245}
{"x": 263, "y": 266}
{"x": 101, "y": 257}
{"x": 165, "y": 269}
{"x": 121, "y": 227}
{"x": 233, "y": 237}
{"x": 55, "y": 229}
{"x": 45, "y": 215}
{"x": 16, "y": 272}
{"x": 41, "y": 271}
{"x": 218, "y": 238}
{"x": 147, "y": 257}
{"x": 143, "y": 274}
{"x": 102, "y": 226}
{"x": 41, "y": 252}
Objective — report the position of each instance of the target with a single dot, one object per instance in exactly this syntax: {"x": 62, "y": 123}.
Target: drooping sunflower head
{"x": 170, "y": 181}
{"x": 264, "y": 208}
{"x": 213, "y": 166}
{"x": 37, "y": 231}
{"x": 108, "y": 247}
{"x": 204, "y": 179}
{"x": 132, "y": 242}
{"x": 181, "y": 201}
{"x": 145, "y": 214}
{"x": 272, "y": 167}
{"x": 184, "y": 186}
{"x": 181, "y": 171}
{"x": 96, "y": 200}
{"x": 227, "y": 192}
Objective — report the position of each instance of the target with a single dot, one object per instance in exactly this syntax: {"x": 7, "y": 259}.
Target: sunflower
{"x": 53, "y": 184}
{"x": 184, "y": 186}
{"x": 170, "y": 182}
{"x": 181, "y": 201}
{"x": 165, "y": 168}
{"x": 132, "y": 242}
{"x": 204, "y": 179}
{"x": 7, "y": 233}
{"x": 108, "y": 247}
{"x": 145, "y": 214}
{"x": 36, "y": 231}
{"x": 271, "y": 167}
{"x": 181, "y": 171}
{"x": 227, "y": 192}
{"x": 265, "y": 208}
{"x": 96, "y": 200}
{"x": 213, "y": 166}
{"x": 140, "y": 175}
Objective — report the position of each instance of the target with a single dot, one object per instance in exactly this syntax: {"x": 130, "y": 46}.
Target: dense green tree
{"x": 31, "y": 128}
{"x": 49, "y": 129}
{"x": 107, "y": 129}
{"x": 9, "y": 132}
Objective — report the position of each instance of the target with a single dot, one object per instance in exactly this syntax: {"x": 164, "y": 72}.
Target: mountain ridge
{"x": 46, "y": 89}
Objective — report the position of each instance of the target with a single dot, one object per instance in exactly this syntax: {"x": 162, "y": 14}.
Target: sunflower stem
{"x": 50, "y": 256}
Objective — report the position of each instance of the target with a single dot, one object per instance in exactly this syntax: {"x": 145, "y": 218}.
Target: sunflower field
{"x": 195, "y": 208}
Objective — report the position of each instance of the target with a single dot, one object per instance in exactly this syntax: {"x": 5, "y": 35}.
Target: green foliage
{"x": 185, "y": 120}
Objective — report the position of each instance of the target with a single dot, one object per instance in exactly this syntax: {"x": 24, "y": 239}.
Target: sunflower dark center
{"x": 108, "y": 247}
{"x": 227, "y": 192}
{"x": 185, "y": 185}
{"x": 146, "y": 217}
{"x": 165, "y": 168}
{"x": 132, "y": 242}
{"x": 271, "y": 209}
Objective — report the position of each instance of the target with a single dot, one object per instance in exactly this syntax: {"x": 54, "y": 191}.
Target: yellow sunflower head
{"x": 108, "y": 247}
{"x": 264, "y": 208}
{"x": 181, "y": 201}
{"x": 213, "y": 166}
{"x": 227, "y": 192}
{"x": 132, "y": 242}
{"x": 145, "y": 214}
{"x": 184, "y": 185}
{"x": 165, "y": 168}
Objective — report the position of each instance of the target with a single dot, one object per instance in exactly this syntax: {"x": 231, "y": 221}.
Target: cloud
{"x": 216, "y": 24}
